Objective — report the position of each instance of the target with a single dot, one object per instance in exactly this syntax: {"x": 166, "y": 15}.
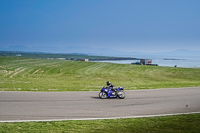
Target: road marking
{"x": 142, "y": 116}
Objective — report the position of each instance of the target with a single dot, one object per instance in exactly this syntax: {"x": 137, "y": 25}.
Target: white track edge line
{"x": 142, "y": 116}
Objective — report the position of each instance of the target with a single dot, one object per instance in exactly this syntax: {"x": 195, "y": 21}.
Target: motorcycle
{"x": 107, "y": 92}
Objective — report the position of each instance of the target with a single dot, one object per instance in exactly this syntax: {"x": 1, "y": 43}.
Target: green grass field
{"x": 168, "y": 124}
{"x": 32, "y": 74}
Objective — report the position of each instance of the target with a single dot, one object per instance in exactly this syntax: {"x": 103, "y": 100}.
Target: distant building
{"x": 61, "y": 58}
{"x": 144, "y": 62}
{"x": 18, "y": 55}
{"x": 84, "y": 59}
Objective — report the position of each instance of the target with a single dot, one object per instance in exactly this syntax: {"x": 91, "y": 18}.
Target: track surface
{"x": 16, "y": 106}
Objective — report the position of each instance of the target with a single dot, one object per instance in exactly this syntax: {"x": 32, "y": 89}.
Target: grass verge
{"x": 167, "y": 124}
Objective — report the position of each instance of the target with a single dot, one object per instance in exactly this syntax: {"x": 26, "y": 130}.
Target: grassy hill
{"x": 32, "y": 74}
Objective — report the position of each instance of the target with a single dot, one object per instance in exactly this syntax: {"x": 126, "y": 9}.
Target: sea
{"x": 168, "y": 61}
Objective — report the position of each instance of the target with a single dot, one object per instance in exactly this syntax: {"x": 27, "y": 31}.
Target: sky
{"x": 124, "y": 25}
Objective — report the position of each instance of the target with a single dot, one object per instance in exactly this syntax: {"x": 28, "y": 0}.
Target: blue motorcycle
{"x": 107, "y": 92}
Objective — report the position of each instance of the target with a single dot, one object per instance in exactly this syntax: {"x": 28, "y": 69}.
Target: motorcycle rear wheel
{"x": 102, "y": 95}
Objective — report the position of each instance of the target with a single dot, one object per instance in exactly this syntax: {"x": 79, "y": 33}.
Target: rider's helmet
{"x": 108, "y": 83}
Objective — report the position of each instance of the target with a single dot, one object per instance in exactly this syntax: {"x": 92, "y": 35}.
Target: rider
{"x": 113, "y": 88}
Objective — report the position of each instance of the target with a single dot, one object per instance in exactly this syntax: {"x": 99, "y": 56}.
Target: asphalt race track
{"x": 45, "y": 106}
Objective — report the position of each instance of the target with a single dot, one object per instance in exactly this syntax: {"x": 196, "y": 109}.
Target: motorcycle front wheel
{"x": 102, "y": 95}
{"x": 121, "y": 94}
